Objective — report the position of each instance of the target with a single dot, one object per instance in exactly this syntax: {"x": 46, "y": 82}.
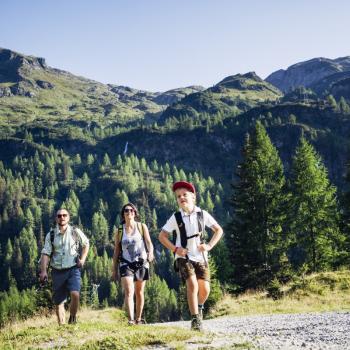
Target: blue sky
{"x": 161, "y": 44}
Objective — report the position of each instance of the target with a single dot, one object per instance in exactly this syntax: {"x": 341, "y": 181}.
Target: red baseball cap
{"x": 184, "y": 184}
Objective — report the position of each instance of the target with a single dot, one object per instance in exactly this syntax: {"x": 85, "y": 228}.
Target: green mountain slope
{"x": 81, "y": 115}
{"x": 230, "y": 96}
{"x": 31, "y": 91}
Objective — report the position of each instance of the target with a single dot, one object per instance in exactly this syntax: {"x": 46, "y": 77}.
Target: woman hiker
{"x": 132, "y": 253}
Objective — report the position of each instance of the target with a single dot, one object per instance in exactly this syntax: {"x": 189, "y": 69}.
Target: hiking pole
{"x": 203, "y": 252}
{"x": 205, "y": 259}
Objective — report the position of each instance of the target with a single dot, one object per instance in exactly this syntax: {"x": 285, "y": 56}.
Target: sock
{"x": 201, "y": 306}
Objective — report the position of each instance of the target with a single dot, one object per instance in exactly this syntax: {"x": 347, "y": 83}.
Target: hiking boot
{"x": 72, "y": 320}
{"x": 196, "y": 323}
{"x": 140, "y": 321}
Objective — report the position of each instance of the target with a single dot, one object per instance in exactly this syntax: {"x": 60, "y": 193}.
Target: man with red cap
{"x": 191, "y": 252}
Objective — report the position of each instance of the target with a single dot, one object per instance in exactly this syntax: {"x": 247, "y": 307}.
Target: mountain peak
{"x": 12, "y": 65}
{"x": 9, "y": 56}
{"x": 252, "y": 75}
{"x": 308, "y": 72}
{"x": 239, "y": 81}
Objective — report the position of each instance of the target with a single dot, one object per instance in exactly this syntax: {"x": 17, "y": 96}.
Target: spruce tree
{"x": 100, "y": 230}
{"x": 29, "y": 249}
{"x": 255, "y": 235}
{"x": 160, "y": 301}
{"x": 215, "y": 288}
{"x": 313, "y": 214}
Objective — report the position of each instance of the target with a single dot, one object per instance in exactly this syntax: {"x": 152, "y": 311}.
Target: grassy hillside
{"x": 68, "y": 98}
{"x": 326, "y": 291}
{"x": 107, "y": 328}
{"x": 32, "y": 92}
{"x": 97, "y": 329}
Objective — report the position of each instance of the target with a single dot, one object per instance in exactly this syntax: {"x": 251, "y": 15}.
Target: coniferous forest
{"x": 270, "y": 166}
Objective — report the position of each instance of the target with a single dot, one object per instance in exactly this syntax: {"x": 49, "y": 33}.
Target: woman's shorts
{"x": 188, "y": 268}
{"x": 139, "y": 274}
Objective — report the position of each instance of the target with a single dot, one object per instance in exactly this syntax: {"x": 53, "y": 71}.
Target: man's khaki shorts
{"x": 189, "y": 268}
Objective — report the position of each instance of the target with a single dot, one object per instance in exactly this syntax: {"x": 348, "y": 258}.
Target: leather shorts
{"x": 189, "y": 268}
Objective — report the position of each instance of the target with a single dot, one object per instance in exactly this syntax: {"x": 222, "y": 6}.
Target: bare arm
{"x": 115, "y": 259}
{"x": 218, "y": 231}
{"x": 44, "y": 262}
{"x": 148, "y": 243}
{"x": 164, "y": 239}
{"x": 84, "y": 254}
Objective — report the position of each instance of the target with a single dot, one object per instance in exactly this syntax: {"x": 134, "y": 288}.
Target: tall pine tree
{"x": 313, "y": 213}
{"x": 255, "y": 236}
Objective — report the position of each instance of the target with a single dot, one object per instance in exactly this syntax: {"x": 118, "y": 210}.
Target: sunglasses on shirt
{"x": 62, "y": 215}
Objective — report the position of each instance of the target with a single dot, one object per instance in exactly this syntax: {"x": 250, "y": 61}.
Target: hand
{"x": 115, "y": 274}
{"x": 204, "y": 247}
{"x": 181, "y": 252}
{"x": 150, "y": 256}
{"x": 80, "y": 262}
{"x": 43, "y": 276}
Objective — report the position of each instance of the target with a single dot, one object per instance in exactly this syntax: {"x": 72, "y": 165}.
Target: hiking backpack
{"x": 183, "y": 233}
{"x": 76, "y": 238}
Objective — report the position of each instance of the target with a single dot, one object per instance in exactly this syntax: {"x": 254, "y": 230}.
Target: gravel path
{"x": 316, "y": 331}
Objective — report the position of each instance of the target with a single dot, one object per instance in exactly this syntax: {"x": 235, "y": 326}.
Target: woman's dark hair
{"x": 137, "y": 218}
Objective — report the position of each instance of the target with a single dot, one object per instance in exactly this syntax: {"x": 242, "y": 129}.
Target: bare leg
{"x": 74, "y": 304}
{"x": 61, "y": 314}
{"x": 140, "y": 298}
{"x": 203, "y": 291}
{"x": 192, "y": 294}
{"x": 128, "y": 286}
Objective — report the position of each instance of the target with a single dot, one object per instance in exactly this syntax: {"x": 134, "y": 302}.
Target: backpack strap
{"x": 183, "y": 234}
{"x": 182, "y": 229}
{"x": 75, "y": 236}
{"x": 119, "y": 240}
{"x": 77, "y": 240}
{"x": 201, "y": 226}
{"x": 201, "y": 229}
{"x": 141, "y": 230}
{"x": 52, "y": 238}
{"x": 120, "y": 233}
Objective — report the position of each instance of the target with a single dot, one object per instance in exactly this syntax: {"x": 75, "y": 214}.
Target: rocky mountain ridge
{"x": 308, "y": 73}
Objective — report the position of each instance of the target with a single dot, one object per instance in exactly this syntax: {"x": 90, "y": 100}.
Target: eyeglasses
{"x": 127, "y": 210}
{"x": 62, "y": 215}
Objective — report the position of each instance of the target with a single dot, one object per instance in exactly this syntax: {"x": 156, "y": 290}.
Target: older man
{"x": 62, "y": 250}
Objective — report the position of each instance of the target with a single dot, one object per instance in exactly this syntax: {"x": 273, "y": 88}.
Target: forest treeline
{"x": 275, "y": 227}
{"x": 93, "y": 190}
